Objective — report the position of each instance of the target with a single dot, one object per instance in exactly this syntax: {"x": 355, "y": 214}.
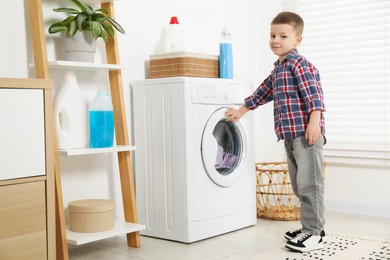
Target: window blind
{"x": 349, "y": 42}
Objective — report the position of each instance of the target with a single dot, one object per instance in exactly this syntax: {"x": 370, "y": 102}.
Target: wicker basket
{"x": 274, "y": 194}
{"x": 184, "y": 64}
{"x": 93, "y": 215}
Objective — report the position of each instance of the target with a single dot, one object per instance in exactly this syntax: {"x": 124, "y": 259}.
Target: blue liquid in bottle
{"x": 101, "y": 125}
{"x": 225, "y": 61}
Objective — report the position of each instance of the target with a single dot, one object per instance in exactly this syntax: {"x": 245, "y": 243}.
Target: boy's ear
{"x": 298, "y": 41}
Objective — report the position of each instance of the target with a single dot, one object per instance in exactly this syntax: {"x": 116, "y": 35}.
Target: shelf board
{"x": 85, "y": 151}
{"x": 81, "y": 66}
{"x": 120, "y": 228}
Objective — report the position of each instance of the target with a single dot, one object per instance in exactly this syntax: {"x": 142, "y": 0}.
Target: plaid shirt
{"x": 294, "y": 86}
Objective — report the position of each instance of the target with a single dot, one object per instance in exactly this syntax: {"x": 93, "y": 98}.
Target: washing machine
{"x": 194, "y": 170}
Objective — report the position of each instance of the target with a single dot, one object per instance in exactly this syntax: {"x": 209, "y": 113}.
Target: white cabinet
{"x": 22, "y": 133}
{"x": 27, "y": 217}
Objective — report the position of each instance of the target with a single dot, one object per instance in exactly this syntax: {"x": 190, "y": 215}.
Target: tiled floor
{"x": 249, "y": 243}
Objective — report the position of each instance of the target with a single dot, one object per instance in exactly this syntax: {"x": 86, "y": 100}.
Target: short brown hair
{"x": 290, "y": 18}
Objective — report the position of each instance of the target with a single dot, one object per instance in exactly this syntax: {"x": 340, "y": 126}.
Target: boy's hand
{"x": 233, "y": 115}
{"x": 313, "y": 133}
{"x": 313, "y": 130}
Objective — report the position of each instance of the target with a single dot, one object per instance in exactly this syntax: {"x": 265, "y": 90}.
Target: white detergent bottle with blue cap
{"x": 101, "y": 116}
{"x": 70, "y": 113}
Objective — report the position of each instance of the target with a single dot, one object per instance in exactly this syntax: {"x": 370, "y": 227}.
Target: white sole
{"x": 304, "y": 250}
{"x": 289, "y": 238}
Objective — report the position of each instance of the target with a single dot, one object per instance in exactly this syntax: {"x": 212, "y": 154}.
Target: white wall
{"x": 13, "y": 53}
{"x": 349, "y": 189}
{"x": 358, "y": 189}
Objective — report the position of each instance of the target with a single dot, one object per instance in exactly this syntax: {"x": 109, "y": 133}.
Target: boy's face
{"x": 283, "y": 38}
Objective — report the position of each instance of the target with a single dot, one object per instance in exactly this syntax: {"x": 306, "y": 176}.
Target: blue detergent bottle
{"x": 101, "y": 117}
{"x": 225, "y": 55}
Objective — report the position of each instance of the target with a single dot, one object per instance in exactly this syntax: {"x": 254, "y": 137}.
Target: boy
{"x": 294, "y": 86}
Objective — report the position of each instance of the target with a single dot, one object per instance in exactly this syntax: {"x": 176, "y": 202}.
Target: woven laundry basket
{"x": 92, "y": 215}
{"x": 184, "y": 64}
{"x": 274, "y": 195}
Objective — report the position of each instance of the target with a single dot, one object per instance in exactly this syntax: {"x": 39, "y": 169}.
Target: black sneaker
{"x": 294, "y": 233}
{"x": 305, "y": 242}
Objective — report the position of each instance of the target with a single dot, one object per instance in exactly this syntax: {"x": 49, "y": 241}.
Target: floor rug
{"x": 346, "y": 247}
{"x": 337, "y": 247}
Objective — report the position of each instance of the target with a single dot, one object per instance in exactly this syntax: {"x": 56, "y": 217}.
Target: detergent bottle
{"x": 175, "y": 36}
{"x": 70, "y": 115}
{"x": 101, "y": 117}
{"x": 225, "y": 55}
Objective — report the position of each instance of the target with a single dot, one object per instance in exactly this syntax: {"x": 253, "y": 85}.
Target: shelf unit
{"x": 81, "y": 66}
{"x": 42, "y": 68}
{"x": 120, "y": 228}
{"x": 85, "y": 151}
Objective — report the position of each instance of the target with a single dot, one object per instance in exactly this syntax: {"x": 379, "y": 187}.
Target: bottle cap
{"x": 102, "y": 88}
{"x": 70, "y": 75}
{"x": 174, "y": 20}
{"x": 225, "y": 31}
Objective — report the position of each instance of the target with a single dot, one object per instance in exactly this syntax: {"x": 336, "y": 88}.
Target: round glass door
{"x": 222, "y": 149}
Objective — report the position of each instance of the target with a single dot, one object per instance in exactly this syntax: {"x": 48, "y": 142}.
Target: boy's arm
{"x": 313, "y": 130}
{"x": 309, "y": 86}
{"x": 262, "y": 95}
{"x": 233, "y": 115}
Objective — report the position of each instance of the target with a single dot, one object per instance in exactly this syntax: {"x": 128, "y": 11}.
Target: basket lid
{"x": 182, "y": 54}
{"x": 91, "y": 205}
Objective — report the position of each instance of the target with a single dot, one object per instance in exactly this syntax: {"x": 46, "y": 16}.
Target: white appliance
{"x": 194, "y": 171}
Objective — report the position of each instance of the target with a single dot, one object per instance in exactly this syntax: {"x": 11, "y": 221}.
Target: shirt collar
{"x": 290, "y": 55}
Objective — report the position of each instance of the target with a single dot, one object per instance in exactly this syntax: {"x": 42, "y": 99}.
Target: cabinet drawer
{"x": 22, "y": 134}
{"x": 23, "y": 221}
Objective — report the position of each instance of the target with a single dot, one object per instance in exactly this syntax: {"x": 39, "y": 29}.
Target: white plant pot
{"x": 80, "y": 47}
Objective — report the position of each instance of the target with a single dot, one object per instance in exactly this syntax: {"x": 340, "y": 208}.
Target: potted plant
{"x": 83, "y": 26}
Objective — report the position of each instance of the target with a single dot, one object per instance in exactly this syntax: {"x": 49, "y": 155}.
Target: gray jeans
{"x": 305, "y": 166}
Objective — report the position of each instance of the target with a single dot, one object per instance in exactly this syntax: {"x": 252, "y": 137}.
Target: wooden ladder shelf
{"x": 121, "y": 131}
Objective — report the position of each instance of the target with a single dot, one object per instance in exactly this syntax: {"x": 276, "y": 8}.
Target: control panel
{"x": 219, "y": 92}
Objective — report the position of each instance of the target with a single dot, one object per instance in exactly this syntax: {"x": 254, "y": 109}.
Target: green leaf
{"x": 66, "y": 10}
{"x": 58, "y": 27}
{"x": 80, "y": 19}
{"x": 108, "y": 28}
{"x": 116, "y": 25}
{"x": 104, "y": 11}
{"x": 104, "y": 36}
{"x": 95, "y": 29}
{"x": 69, "y": 19}
{"x": 88, "y": 10}
{"x": 98, "y": 17}
{"x": 72, "y": 28}
{"x": 79, "y": 5}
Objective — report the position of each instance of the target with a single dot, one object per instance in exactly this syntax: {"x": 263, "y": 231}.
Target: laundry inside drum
{"x": 229, "y": 149}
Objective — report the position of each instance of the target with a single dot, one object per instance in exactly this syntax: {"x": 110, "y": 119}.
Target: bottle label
{"x": 101, "y": 129}
{"x": 225, "y": 61}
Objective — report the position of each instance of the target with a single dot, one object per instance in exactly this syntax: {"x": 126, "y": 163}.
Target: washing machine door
{"x": 223, "y": 148}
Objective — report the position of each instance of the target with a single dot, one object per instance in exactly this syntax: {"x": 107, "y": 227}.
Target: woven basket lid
{"x": 91, "y": 205}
